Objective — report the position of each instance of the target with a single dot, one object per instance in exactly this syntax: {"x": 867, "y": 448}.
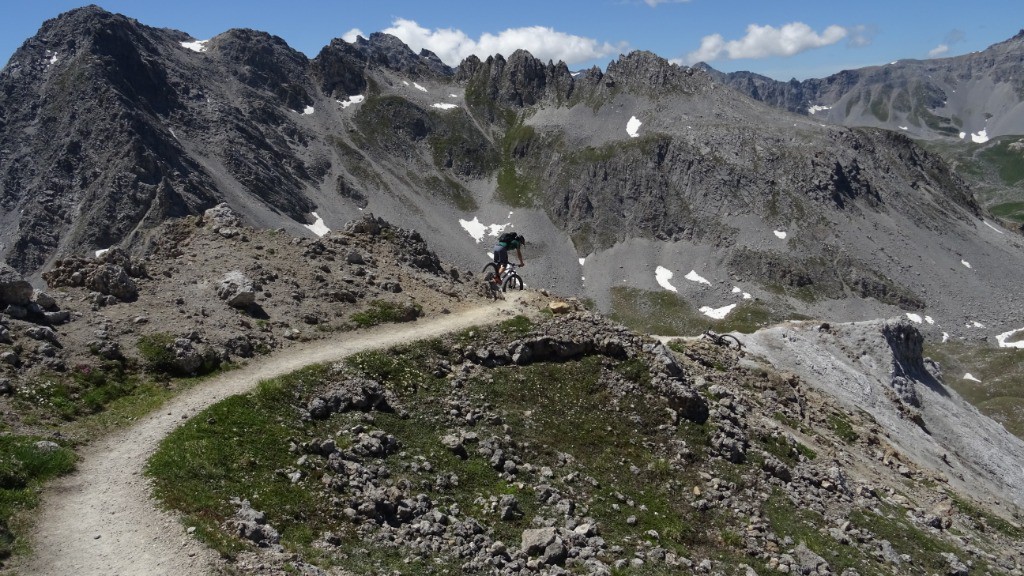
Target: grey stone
{"x": 14, "y": 289}
{"x": 237, "y": 290}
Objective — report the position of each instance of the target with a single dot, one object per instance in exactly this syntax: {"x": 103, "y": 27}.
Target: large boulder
{"x": 237, "y": 290}
{"x": 13, "y": 288}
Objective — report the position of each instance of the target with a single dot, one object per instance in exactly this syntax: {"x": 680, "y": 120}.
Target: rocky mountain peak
{"x": 340, "y": 66}
{"x": 265, "y": 62}
{"x": 646, "y": 70}
{"x": 520, "y": 80}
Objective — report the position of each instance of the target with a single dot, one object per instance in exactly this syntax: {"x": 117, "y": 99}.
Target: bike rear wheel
{"x": 513, "y": 282}
{"x": 490, "y": 268}
{"x": 730, "y": 341}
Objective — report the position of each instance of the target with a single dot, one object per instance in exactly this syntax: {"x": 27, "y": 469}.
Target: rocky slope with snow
{"x": 110, "y": 126}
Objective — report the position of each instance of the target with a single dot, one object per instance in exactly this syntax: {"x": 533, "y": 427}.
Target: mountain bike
{"x": 510, "y": 279}
{"x": 727, "y": 340}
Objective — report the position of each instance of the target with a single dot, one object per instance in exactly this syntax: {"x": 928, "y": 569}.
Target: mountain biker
{"x": 506, "y": 241}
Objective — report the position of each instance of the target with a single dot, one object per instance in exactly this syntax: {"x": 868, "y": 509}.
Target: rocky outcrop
{"x": 251, "y": 524}
{"x": 111, "y": 274}
{"x": 14, "y": 289}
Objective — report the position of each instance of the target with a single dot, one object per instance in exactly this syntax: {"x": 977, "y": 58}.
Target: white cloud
{"x": 938, "y": 50}
{"x": 654, "y": 3}
{"x": 351, "y": 35}
{"x": 765, "y": 41}
{"x": 453, "y": 46}
{"x": 861, "y": 35}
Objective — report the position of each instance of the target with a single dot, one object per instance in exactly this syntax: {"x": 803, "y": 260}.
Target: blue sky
{"x": 779, "y": 38}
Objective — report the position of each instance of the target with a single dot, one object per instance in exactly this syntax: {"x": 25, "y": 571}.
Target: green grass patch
{"x": 979, "y": 514}
{"x": 842, "y": 428}
{"x": 1000, "y": 394}
{"x": 452, "y": 192}
{"x": 924, "y": 549}
{"x": 385, "y": 311}
{"x": 1009, "y": 210}
{"x": 1009, "y": 162}
{"x": 802, "y": 525}
{"x": 667, "y": 314}
{"x": 516, "y": 327}
{"x": 24, "y": 467}
{"x": 88, "y": 389}
{"x": 515, "y": 188}
{"x": 233, "y": 449}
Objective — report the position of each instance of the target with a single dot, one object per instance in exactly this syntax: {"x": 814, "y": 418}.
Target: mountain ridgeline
{"x": 979, "y": 94}
{"x": 109, "y": 127}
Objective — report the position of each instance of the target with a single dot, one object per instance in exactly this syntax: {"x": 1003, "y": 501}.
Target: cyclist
{"x": 506, "y": 241}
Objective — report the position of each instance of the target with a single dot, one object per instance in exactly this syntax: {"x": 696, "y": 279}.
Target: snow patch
{"x": 963, "y": 135}
{"x": 692, "y": 276}
{"x": 903, "y": 127}
{"x": 780, "y": 234}
{"x": 101, "y": 252}
{"x": 444, "y": 105}
{"x": 479, "y": 230}
{"x": 196, "y": 46}
{"x": 351, "y": 100}
{"x": 929, "y": 320}
{"x": 663, "y": 275}
{"x": 980, "y": 137}
{"x": 916, "y": 318}
{"x": 1002, "y": 339}
{"x": 418, "y": 87}
{"x": 737, "y": 290}
{"x": 717, "y": 313}
{"x": 969, "y": 376}
{"x": 992, "y": 227}
{"x": 318, "y": 227}
{"x": 53, "y": 59}
{"x": 633, "y": 127}
{"x": 945, "y": 336}
{"x": 582, "y": 260}
{"x": 308, "y": 110}
{"x": 816, "y": 109}
{"x": 966, "y": 263}
{"x": 974, "y": 324}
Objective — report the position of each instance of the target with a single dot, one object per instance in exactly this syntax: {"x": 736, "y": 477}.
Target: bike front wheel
{"x": 513, "y": 282}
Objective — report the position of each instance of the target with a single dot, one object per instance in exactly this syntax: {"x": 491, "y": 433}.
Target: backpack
{"x": 507, "y": 238}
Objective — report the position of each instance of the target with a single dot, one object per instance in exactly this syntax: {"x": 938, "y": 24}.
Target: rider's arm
{"x": 519, "y": 253}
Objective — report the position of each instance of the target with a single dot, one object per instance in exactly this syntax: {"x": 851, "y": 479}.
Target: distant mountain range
{"x": 973, "y": 97}
{"x": 628, "y": 179}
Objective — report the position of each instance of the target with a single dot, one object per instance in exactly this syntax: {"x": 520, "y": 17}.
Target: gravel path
{"x": 102, "y": 519}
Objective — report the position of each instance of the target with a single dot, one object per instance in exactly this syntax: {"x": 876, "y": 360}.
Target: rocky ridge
{"x": 927, "y": 98}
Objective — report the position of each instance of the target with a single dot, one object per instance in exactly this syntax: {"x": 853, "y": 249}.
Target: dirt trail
{"x": 102, "y": 519}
